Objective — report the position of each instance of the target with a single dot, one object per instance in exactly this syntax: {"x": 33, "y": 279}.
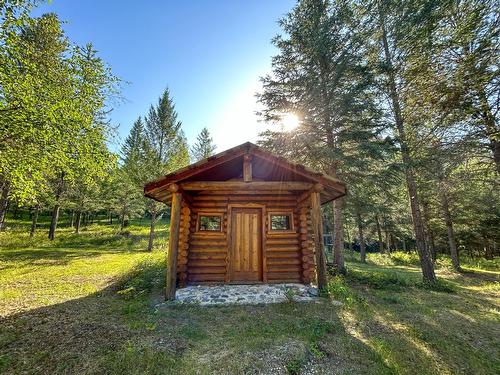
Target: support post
{"x": 173, "y": 246}
{"x": 247, "y": 168}
{"x": 317, "y": 226}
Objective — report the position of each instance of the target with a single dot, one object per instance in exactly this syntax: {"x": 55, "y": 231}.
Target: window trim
{"x": 280, "y": 213}
{"x": 198, "y": 222}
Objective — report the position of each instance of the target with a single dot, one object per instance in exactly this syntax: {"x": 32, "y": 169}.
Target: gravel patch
{"x": 227, "y": 294}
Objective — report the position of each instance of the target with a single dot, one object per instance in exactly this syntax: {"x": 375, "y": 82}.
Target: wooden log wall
{"x": 184, "y": 235}
{"x": 283, "y": 252}
{"x": 173, "y": 245}
{"x": 307, "y": 245}
{"x": 207, "y": 251}
{"x": 207, "y": 258}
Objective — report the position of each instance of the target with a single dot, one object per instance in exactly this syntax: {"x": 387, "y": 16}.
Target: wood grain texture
{"x": 184, "y": 232}
{"x": 241, "y": 185}
{"x": 317, "y": 226}
{"x": 247, "y": 168}
{"x": 173, "y": 246}
{"x": 277, "y": 249}
{"x": 246, "y": 245}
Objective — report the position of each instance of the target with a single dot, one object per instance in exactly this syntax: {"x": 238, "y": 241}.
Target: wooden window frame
{"x": 198, "y": 220}
{"x": 280, "y": 213}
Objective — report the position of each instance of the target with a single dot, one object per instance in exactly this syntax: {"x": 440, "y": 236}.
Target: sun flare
{"x": 289, "y": 121}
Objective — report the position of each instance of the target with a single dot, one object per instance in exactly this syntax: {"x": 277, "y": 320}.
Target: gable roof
{"x": 227, "y": 165}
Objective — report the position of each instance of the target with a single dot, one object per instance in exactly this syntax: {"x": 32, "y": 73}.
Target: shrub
{"x": 480, "y": 263}
{"x": 337, "y": 289}
{"x": 405, "y": 259}
{"x": 396, "y": 258}
{"x": 380, "y": 279}
{"x": 439, "y": 286}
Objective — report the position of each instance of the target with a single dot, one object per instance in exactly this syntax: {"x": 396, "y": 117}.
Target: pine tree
{"x": 204, "y": 147}
{"x": 134, "y": 154}
{"x": 165, "y": 147}
{"x": 392, "y": 37}
{"x": 320, "y": 75}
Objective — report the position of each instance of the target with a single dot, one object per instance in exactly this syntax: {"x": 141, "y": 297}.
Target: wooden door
{"x": 246, "y": 245}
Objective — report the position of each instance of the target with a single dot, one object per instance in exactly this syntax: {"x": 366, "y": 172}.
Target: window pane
{"x": 211, "y": 223}
{"x": 280, "y": 222}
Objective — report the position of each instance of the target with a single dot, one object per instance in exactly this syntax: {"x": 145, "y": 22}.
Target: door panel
{"x": 246, "y": 244}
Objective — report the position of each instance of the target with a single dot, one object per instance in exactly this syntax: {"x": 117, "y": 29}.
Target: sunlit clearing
{"x": 289, "y": 121}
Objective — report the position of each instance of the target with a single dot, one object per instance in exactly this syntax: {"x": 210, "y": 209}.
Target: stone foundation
{"x": 228, "y": 294}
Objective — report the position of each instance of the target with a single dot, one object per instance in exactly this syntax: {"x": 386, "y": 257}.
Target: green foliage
{"x": 166, "y": 146}
{"x": 338, "y": 289}
{"x": 289, "y": 294}
{"x": 396, "y": 258}
{"x": 53, "y": 101}
{"x": 293, "y": 367}
{"x": 204, "y": 146}
{"x": 142, "y": 279}
{"x": 332, "y": 70}
{"x": 380, "y": 279}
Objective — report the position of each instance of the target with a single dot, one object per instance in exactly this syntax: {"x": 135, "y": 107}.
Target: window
{"x": 209, "y": 223}
{"x": 280, "y": 221}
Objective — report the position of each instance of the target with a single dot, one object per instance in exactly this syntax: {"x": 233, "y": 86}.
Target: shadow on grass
{"x": 120, "y": 331}
{"x": 79, "y": 335}
{"x": 406, "y": 322}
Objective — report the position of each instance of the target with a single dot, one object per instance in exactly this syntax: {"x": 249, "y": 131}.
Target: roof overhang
{"x": 190, "y": 178}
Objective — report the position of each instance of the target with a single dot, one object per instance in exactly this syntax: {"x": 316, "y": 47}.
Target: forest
{"x": 398, "y": 99}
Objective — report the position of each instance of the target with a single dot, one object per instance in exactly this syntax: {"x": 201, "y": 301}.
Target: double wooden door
{"x": 246, "y": 245}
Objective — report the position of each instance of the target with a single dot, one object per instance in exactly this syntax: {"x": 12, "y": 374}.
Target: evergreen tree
{"x": 134, "y": 154}
{"x": 392, "y": 36}
{"x": 165, "y": 147}
{"x": 320, "y": 74}
{"x": 204, "y": 146}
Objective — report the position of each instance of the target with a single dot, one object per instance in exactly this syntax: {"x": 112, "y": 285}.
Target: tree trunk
{"x": 488, "y": 254}
{"x": 423, "y": 253}
{"x": 403, "y": 242}
{"x": 110, "y": 215}
{"x": 15, "y": 213}
{"x": 4, "y": 202}
{"x": 72, "y": 218}
{"x": 388, "y": 242}
{"x": 78, "y": 221}
{"x": 492, "y": 129}
{"x": 433, "y": 246}
{"x": 393, "y": 241}
{"x": 455, "y": 259}
{"x": 338, "y": 243}
{"x": 362, "y": 245}
{"x": 379, "y": 234}
{"x": 122, "y": 222}
{"x": 55, "y": 211}
{"x": 429, "y": 234}
{"x": 152, "y": 229}
{"x": 34, "y": 220}
{"x": 53, "y": 221}
{"x": 317, "y": 227}
{"x": 349, "y": 240}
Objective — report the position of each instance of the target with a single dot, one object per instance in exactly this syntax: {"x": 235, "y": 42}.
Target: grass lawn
{"x": 88, "y": 304}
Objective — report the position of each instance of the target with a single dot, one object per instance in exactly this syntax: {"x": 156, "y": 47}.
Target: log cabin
{"x": 245, "y": 216}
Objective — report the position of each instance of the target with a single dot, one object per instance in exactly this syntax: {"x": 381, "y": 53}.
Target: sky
{"x": 210, "y": 54}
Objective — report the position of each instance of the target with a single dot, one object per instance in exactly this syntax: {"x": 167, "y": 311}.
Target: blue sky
{"x": 209, "y": 53}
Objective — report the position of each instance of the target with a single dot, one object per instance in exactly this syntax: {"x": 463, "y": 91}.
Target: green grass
{"x": 91, "y": 304}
